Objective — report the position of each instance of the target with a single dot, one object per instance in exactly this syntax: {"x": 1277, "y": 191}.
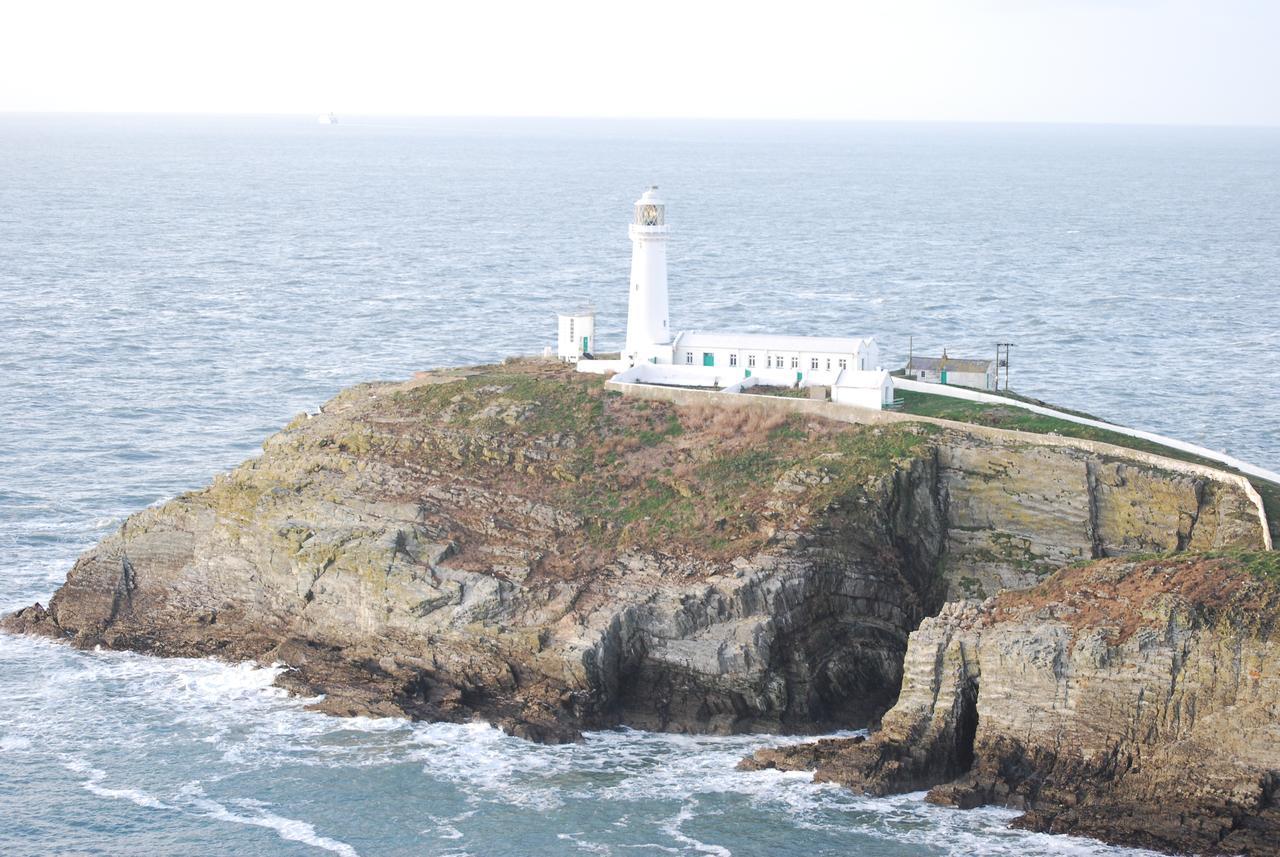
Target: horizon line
{"x": 775, "y": 120}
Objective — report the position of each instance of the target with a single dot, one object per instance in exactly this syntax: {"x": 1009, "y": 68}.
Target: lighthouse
{"x": 648, "y": 324}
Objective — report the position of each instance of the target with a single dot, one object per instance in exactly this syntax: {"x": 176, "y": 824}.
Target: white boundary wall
{"x": 855, "y": 414}
{"x": 601, "y": 367}
{"x": 1182, "y": 446}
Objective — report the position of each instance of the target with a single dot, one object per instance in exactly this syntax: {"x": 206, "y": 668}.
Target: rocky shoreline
{"x": 521, "y": 544}
{"x": 1138, "y": 703}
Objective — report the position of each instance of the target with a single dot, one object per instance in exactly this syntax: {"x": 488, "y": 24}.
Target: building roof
{"x": 772, "y": 342}
{"x": 954, "y": 364}
{"x": 862, "y": 378}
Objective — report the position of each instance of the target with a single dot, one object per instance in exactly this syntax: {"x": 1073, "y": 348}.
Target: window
{"x": 571, "y": 336}
{"x": 733, "y": 360}
{"x": 795, "y": 362}
{"x": 751, "y": 360}
{"x": 813, "y": 363}
{"x": 828, "y": 364}
{"x": 688, "y": 357}
{"x": 768, "y": 361}
{"x": 844, "y": 364}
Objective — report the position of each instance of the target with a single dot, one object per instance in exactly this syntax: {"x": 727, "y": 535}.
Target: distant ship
{"x": 328, "y": 119}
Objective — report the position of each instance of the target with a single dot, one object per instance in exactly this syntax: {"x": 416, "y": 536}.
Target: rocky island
{"x": 524, "y": 544}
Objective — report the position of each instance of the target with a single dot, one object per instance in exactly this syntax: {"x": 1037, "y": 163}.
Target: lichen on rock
{"x": 1134, "y": 701}
{"x": 523, "y": 544}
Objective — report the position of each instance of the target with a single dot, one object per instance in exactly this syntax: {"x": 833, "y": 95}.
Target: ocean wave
{"x": 289, "y": 829}
{"x": 94, "y": 784}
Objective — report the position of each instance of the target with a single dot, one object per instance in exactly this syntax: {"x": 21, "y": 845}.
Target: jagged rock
{"x": 509, "y": 543}
{"x": 1134, "y": 702}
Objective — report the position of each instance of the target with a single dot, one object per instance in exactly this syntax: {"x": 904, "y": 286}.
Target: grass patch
{"x": 1270, "y": 493}
{"x": 1261, "y": 564}
{"x": 780, "y": 392}
{"x": 714, "y": 479}
{"x": 1018, "y": 397}
{"x": 1018, "y": 419}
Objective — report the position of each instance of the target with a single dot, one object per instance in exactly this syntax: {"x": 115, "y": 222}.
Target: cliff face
{"x": 521, "y": 544}
{"x": 1136, "y": 702}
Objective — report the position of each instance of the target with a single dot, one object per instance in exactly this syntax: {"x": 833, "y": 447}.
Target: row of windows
{"x": 771, "y": 362}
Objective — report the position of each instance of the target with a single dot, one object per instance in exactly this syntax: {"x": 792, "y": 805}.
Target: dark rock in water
{"x": 521, "y": 544}
{"x": 1134, "y": 702}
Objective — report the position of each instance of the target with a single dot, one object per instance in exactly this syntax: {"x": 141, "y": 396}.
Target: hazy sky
{"x": 1176, "y": 61}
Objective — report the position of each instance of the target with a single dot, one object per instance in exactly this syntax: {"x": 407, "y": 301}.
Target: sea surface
{"x": 173, "y": 290}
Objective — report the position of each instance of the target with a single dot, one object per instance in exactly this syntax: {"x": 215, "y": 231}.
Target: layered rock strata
{"x": 522, "y": 544}
{"x": 1135, "y": 702}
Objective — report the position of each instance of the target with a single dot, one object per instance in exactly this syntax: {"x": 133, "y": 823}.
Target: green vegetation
{"x": 1264, "y": 565}
{"x": 708, "y": 477}
{"x": 651, "y": 437}
{"x": 715, "y": 479}
{"x": 507, "y": 396}
{"x": 1270, "y": 493}
{"x": 1018, "y": 397}
{"x": 1018, "y": 419}
{"x": 716, "y": 482}
{"x": 1261, "y": 564}
{"x": 780, "y": 392}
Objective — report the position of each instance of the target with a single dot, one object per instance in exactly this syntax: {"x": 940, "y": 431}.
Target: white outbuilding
{"x": 776, "y": 359}
{"x": 577, "y": 335}
{"x": 978, "y": 374}
{"x": 869, "y": 388}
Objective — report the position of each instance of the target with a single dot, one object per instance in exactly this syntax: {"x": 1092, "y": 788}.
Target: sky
{"x": 1213, "y": 62}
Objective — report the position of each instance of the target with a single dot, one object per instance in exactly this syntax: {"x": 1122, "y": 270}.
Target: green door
{"x": 748, "y": 375}
{"x": 585, "y": 349}
{"x": 708, "y": 359}
{"x": 799, "y": 377}
{"x": 944, "y": 376}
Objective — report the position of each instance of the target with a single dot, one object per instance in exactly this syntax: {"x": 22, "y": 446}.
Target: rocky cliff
{"x": 1138, "y": 702}
{"x": 520, "y": 543}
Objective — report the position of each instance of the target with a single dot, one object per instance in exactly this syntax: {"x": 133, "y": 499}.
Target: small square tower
{"x": 577, "y": 334}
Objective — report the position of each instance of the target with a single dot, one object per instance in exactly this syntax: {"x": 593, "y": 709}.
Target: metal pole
{"x": 1003, "y": 347}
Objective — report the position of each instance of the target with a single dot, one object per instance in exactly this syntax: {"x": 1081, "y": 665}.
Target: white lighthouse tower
{"x": 648, "y": 324}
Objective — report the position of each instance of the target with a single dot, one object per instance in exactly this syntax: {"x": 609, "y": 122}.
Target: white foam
{"x": 11, "y": 743}
{"x": 95, "y": 778}
{"x": 673, "y": 827}
{"x": 290, "y": 829}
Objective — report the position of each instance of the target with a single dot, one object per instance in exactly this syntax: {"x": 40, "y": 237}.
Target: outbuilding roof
{"x": 862, "y": 379}
{"x": 772, "y": 342}
{"x": 954, "y": 364}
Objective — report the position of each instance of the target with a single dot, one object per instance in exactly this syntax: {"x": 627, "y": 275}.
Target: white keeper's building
{"x": 850, "y": 365}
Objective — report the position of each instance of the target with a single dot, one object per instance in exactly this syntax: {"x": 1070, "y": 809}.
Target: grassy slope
{"x": 717, "y": 481}
{"x": 1013, "y": 417}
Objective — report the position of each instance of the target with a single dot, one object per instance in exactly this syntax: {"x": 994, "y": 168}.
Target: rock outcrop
{"x": 522, "y": 544}
{"x": 1134, "y": 702}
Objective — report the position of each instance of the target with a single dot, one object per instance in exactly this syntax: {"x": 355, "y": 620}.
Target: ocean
{"x": 173, "y": 290}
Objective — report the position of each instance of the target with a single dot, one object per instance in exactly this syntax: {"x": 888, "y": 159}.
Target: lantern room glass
{"x": 649, "y": 214}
